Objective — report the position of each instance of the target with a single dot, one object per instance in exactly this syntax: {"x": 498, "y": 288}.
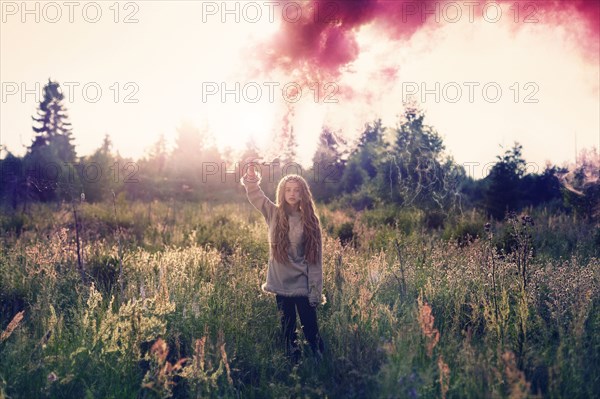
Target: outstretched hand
{"x": 251, "y": 162}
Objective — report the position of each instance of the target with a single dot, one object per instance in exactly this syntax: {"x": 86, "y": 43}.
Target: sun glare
{"x": 235, "y": 125}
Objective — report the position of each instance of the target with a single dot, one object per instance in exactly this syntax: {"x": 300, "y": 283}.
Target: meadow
{"x": 163, "y": 299}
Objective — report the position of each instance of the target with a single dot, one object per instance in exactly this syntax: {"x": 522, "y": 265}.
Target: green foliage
{"x": 509, "y": 188}
{"x": 464, "y": 232}
{"x": 353, "y": 177}
{"x": 404, "y": 166}
{"x": 358, "y": 200}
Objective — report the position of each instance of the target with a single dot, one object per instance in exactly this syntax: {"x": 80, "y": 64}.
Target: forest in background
{"x": 403, "y": 166}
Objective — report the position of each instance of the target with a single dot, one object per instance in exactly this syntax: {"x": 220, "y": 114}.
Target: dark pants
{"x": 308, "y": 317}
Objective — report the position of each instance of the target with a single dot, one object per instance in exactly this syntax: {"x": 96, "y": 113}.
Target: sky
{"x": 486, "y": 74}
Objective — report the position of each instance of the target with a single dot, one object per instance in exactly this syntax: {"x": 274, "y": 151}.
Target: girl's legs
{"x": 308, "y": 318}
{"x": 287, "y": 311}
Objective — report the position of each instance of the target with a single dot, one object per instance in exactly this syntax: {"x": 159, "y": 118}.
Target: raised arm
{"x": 256, "y": 196}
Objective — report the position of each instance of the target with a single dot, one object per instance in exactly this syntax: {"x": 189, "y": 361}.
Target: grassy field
{"x": 412, "y": 311}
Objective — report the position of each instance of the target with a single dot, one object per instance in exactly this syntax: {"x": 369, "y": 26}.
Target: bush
{"x": 434, "y": 220}
{"x": 12, "y": 223}
{"x": 104, "y": 272}
{"x": 346, "y": 233}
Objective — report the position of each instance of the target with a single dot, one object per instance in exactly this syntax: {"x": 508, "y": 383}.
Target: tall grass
{"x": 459, "y": 311}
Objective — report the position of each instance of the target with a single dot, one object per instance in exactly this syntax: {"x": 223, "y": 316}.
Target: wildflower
{"x": 199, "y": 358}
{"x": 224, "y": 357}
{"x": 444, "y": 376}
{"x": 52, "y": 377}
{"x": 519, "y": 387}
{"x": 160, "y": 350}
{"x": 161, "y": 374}
{"x": 426, "y": 320}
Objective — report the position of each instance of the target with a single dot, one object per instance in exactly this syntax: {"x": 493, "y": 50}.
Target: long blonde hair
{"x": 310, "y": 222}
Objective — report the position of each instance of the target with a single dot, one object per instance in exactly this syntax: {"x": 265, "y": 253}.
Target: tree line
{"x": 404, "y": 166}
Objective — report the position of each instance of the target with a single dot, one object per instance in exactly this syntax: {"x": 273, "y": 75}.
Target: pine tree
{"x": 100, "y": 173}
{"x": 413, "y": 174}
{"x": 54, "y": 128}
{"x": 287, "y": 144}
{"x": 504, "y": 192}
{"x": 328, "y": 166}
{"x": 50, "y": 159}
{"x": 185, "y": 159}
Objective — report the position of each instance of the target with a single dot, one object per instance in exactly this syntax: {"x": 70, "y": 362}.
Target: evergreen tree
{"x": 286, "y": 142}
{"x": 504, "y": 183}
{"x": 363, "y": 161}
{"x": 53, "y": 128}
{"x": 328, "y": 166}
{"x": 211, "y": 163}
{"x": 413, "y": 172}
{"x": 544, "y": 188}
{"x": 150, "y": 173}
{"x": 100, "y": 173}
{"x": 370, "y": 148}
{"x": 157, "y": 157}
{"x": 185, "y": 158}
{"x": 353, "y": 178}
{"x": 50, "y": 159}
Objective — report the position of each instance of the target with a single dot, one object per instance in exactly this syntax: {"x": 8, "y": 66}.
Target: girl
{"x": 295, "y": 271}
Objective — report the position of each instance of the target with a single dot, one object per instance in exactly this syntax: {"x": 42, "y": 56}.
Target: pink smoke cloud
{"x": 322, "y": 40}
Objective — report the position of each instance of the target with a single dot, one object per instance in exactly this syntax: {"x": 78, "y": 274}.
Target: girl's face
{"x": 292, "y": 193}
